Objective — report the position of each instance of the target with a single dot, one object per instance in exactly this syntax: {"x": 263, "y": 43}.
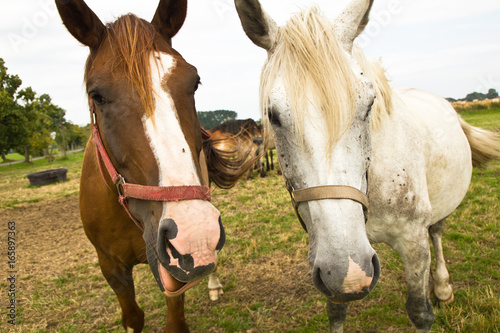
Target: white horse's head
{"x": 317, "y": 101}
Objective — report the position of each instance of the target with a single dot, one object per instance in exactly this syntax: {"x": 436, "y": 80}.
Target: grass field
{"x": 14, "y": 157}
{"x": 15, "y": 188}
{"x": 18, "y": 157}
{"x": 263, "y": 267}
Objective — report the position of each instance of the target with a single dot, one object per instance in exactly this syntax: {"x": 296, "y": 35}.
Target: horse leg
{"x": 336, "y": 316}
{"x": 267, "y": 161}
{"x": 249, "y": 176}
{"x": 120, "y": 279}
{"x": 214, "y": 286}
{"x": 271, "y": 156}
{"x": 415, "y": 253}
{"x": 442, "y": 288}
{"x": 263, "y": 173}
{"x": 176, "y": 322}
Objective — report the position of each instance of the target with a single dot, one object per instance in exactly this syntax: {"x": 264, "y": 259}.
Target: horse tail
{"x": 485, "y": 145}
{"x": 226, "y": 166}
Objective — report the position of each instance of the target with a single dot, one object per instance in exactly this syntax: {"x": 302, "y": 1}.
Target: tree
{"x": 8, "y": 123}
{"x": 473, "y": 96}
{"x": 15, "y": 115}
{"x": 27, "y": 106}
{"x": 27, "y": 122}
{"x": 76, "y": 136}
{"x": 210, "y": 119}
{"x": 52, "y": 121}
{"x": 492, "y": 93}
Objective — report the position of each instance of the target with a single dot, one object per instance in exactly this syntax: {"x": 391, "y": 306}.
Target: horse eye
{"x": 273, "y": 118}
{"x": 98, "y": 99}
{"x": 368, "y": 112}
{"x": 197, "y": 84}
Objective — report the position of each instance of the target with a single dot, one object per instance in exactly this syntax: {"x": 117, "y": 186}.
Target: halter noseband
{"x": 324, "y": 192}
{"x": 154, "y": 193}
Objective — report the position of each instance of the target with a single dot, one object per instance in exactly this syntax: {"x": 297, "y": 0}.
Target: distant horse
{"x": 144, "y": 195}
{"x": 240, "y": 136}
{"x": 410, "y": 158}
{"x": 270, "y": 146}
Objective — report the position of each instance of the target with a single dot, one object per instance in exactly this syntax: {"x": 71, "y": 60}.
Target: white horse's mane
{"x": 315, "y": 70}
{"x": 376, "y": 73}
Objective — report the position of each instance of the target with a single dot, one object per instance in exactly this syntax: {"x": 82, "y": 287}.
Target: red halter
{"x": 142, "y": 192}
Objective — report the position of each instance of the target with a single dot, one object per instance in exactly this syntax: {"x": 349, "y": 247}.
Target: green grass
{"x": 263, "y": 266}
{"x": 484, "y": 118}
{"x": 18, "y": 157}
{"x": 13, "y": 157}
{"x": 15, "y": 187}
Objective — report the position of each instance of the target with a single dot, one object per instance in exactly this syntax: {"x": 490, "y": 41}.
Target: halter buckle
{"x": 119, "y": 186}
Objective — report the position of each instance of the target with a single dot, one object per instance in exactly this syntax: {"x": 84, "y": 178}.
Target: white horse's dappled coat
{"x": 411, "y": 155}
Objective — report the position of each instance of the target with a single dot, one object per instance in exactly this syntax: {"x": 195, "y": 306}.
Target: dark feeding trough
{"x": 47, "y": 176}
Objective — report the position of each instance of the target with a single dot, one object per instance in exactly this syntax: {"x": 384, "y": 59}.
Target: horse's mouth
{"x": 172, "y": 286}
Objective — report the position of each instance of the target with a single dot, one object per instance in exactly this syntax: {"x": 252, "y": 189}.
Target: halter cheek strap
{"x": 154, "y": 193}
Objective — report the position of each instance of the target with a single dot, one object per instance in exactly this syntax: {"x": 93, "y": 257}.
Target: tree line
{"x": 31, "y": 124}
{"x": 210, "y": 119}
{"x": 491, "y": 94}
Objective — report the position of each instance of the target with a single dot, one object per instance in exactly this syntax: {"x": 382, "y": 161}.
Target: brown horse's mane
{"x": 227, "y": 165}
{"x": 130, "y": 40}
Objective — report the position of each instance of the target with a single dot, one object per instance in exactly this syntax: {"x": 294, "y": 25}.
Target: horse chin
{"x": 171, "y": 286}
{"x": 345, "y": 298}
{"x": 169, "y": 283}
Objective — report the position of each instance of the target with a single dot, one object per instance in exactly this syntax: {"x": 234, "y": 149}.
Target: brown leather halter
{"x": 155, "y": 193}
{"x": 324, "y": 192}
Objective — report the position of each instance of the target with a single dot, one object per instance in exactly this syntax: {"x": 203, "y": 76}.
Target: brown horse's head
{"x": 143, "y": 91}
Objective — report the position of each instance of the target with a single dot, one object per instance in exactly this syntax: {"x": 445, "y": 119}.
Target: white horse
{"x": 411, "y": 155}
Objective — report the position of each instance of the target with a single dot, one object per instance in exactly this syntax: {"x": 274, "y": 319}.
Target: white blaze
{"x": 170, "y": 148}
{"x": 196, "y": 220}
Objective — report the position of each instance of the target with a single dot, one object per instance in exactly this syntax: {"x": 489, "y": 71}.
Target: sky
{"x": 447, "y": 47}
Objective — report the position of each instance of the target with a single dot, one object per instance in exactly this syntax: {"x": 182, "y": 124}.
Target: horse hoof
{"x": 448, "y": 301}
{"x": 215, "y": 294}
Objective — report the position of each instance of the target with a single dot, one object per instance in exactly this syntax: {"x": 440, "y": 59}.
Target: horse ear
{"x": 257, "y": 24}
{"x": 81, "y": 22}
{"x": 169, "y": 17}
{"x": 352, "y": 21}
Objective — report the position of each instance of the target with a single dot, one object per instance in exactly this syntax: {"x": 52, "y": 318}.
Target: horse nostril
{"x": 168, "y": 228}
{"x": 318, "y": 282}
{"x": 376, "y": 271}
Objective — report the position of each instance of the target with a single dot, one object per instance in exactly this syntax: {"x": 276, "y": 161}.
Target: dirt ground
{"x": 50, "y": 240}
{"x": 49, "y": 237}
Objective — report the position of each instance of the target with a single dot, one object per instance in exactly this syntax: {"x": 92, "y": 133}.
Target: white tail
{"x": 485, "y": 145}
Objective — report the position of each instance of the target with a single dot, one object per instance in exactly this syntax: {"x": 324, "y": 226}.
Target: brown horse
{"x": 241, "y": 137}
{"x": 270, "y": 146}
{"x": 149, "y": 166}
